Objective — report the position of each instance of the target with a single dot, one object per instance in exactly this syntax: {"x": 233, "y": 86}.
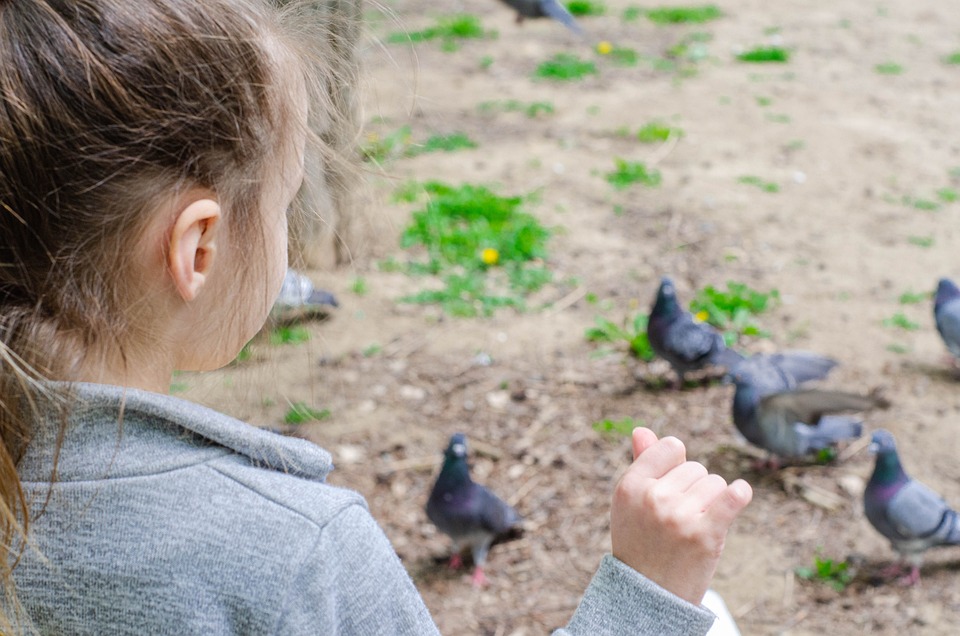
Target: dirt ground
{"x": 851, "y": 149}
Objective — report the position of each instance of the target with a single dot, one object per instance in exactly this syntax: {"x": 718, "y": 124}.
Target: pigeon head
{"x": 946, "y": 291}
{"x": 666, "y": 303}
{"x": 457, "y": 448}
{"x": 888, "y": 468}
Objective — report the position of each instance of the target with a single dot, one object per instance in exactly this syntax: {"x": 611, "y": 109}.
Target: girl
{"x": 148, "y": 153}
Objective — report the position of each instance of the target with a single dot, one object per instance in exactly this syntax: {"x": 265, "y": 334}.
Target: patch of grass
{"x": 763, "y": 101}
{"x": 617, "y": 428}
{"x": 691, "y": 48}
{"x": 565, "y": 67}
{"x": 623, "y": 56}
{"x": 359, "y": 286}
{"x": 450, "y": 30}
{"x": 292, "y": 334}
{"x": 888, "y": 68}
{"x": 765, "y": 54}
{"x": 766, "y": 186}
{"x": 631, "y": 14}
{"x": 487, "y": 252}
{"x": 900, "y": 321}
{"x": 371, "y": 350}
{"x": 582, "y": 8}
{"x": 657, "y": 131}
{"x": 381, "y": 148}
{"x": 896, "y": 347}
{"x": 917, "y": 203}
{"x": 531, "y": 109}
{"x": 734, "y": 310}
{"x": 442, "y": 143}
{"x": 178, "y": 387}
{"x": 301, "y": 413}
{"x": 912, "y": 298}
{"x": 835, "y": 574}
{"x": 633, "y": 332}
{"x": 947, "y": 195}
{"x": 920, "y": 241}
{"x": 628, "y": 173}
{"x": 952, "y": 58}
{"x": 684, "y": 15}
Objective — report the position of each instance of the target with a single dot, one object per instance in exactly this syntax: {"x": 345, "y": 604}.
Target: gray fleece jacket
{"x": 185, "y": 521}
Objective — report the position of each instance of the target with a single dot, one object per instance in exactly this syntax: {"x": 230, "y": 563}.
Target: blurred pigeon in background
{"x": 774, "y": 413}
{"x": 544, "y": 9}
{"x": 298, "y": 291}
{"x": 946, "y": 312}
{"x": 686, "y": 344}
{"x": 471, "y": 515}
{"x": 912, "y": 516}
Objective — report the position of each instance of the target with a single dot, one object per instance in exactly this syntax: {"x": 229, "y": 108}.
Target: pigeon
{"x": 912, "y": 516}
{"x": 544, "y": 9}
{"x": 773, "y": 411}
{"x": 297, "y": 291}
{"x": 686, "y": 344}
{"x": 467, "y": 512}
{"x": 946, "y": 312}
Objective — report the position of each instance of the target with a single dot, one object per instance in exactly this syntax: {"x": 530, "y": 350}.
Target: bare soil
{"x": 850, "y": 149}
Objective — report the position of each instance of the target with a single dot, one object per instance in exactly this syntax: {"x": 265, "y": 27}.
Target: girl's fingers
{"x": 704, "y": 492}
{"x": 643, "y": 438}
{"x": 728, "y": 504}
{"x": 658, "y": 459}
{"x": 683, "y": 477}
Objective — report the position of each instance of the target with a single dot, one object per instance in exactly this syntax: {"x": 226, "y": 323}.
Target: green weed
{"x": 920, "y": 241}
{"x": 656, "y": 131}
{"x": 293, "y": 334}
{"x": 380, "y": 149}
{"x": 441, "y": 143}
{"x": 531, "y": 110}
{"x": 836, "y": 574}
{"x": 628, "y": 173}
{"x": 565, "y": 67}
{"x": 900, "y": 321}
{"x": 947, "y": 195}
{"x": 888, "y": 68}
{"x": 469, "y": 234}
{"x": 583, "y": 8}
{"x": 359, "y": 286}
{"x": 617, "y": 428}
{"x": 953, "y": 58}
{"x": 691, "y": 48}
{"x": 631, "y": 14}
{"x": 371, "y": 350}
{"x": 684, "y": 15}
{"x": 449, "y": 30}
{"x": 912, "y": 298}
{"x": 766, "y": 186}
{"x": 300, "y": 413}
{"x": 733, "y": 311}
{"x": 896, "y": 347}
{"x": 622, "y": 56}
{"x": 765, "y": 54}
{"x": 633, "y": 332}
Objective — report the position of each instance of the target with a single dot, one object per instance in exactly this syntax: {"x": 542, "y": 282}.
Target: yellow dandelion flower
{"x": 490, "y": 256}
{"x": 604, "y": 48}
{"x": 701, "y": 316}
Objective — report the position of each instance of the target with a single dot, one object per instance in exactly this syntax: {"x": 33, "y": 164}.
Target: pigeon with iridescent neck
{"x": 471, "y": 515}
{"x": 912, "y": 516}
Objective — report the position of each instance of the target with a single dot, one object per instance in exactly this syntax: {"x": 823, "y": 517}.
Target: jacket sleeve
{"x": 352, "y": 582}
{"x": 620, "y": 600}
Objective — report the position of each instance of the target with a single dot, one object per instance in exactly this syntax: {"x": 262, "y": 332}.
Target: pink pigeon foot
{"x": 456, "y": 561}
{"x": 478, "y": 578}
{"x": 911, "y": 579}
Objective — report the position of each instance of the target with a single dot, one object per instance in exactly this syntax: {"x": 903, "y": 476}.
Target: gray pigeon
{"x": 471, "y": 515}
{"x": 544, "y": 9}
{"x": 298, "y": 291}
{"x": 773, "y": 412}
{"x": 912, "y": 516}
{"x": 946, "y": 313}
{"x": 686, "y": 344}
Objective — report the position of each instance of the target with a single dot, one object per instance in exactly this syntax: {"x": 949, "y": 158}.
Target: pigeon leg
{"x": 478, "y": 578}
{"x": 910, "y": 579}
{"x": 456, "y": 561}
{"x": 893, "y": 571}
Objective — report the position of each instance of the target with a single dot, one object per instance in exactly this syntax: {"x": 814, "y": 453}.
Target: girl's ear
{"x": 193, "y": 246}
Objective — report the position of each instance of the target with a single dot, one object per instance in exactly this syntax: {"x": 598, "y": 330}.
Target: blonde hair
{"x": 106, "y": 107}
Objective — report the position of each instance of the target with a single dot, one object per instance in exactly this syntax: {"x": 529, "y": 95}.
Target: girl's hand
{"x": 670, "y": 517}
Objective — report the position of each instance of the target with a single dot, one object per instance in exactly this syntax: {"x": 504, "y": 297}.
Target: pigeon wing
{"x": 690, "y": 341}
{"x": 948, "y": 324}
{"x": 809, "y": 405}
{"x": 916, "y": 511}
{"x": 495, "y": 515}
